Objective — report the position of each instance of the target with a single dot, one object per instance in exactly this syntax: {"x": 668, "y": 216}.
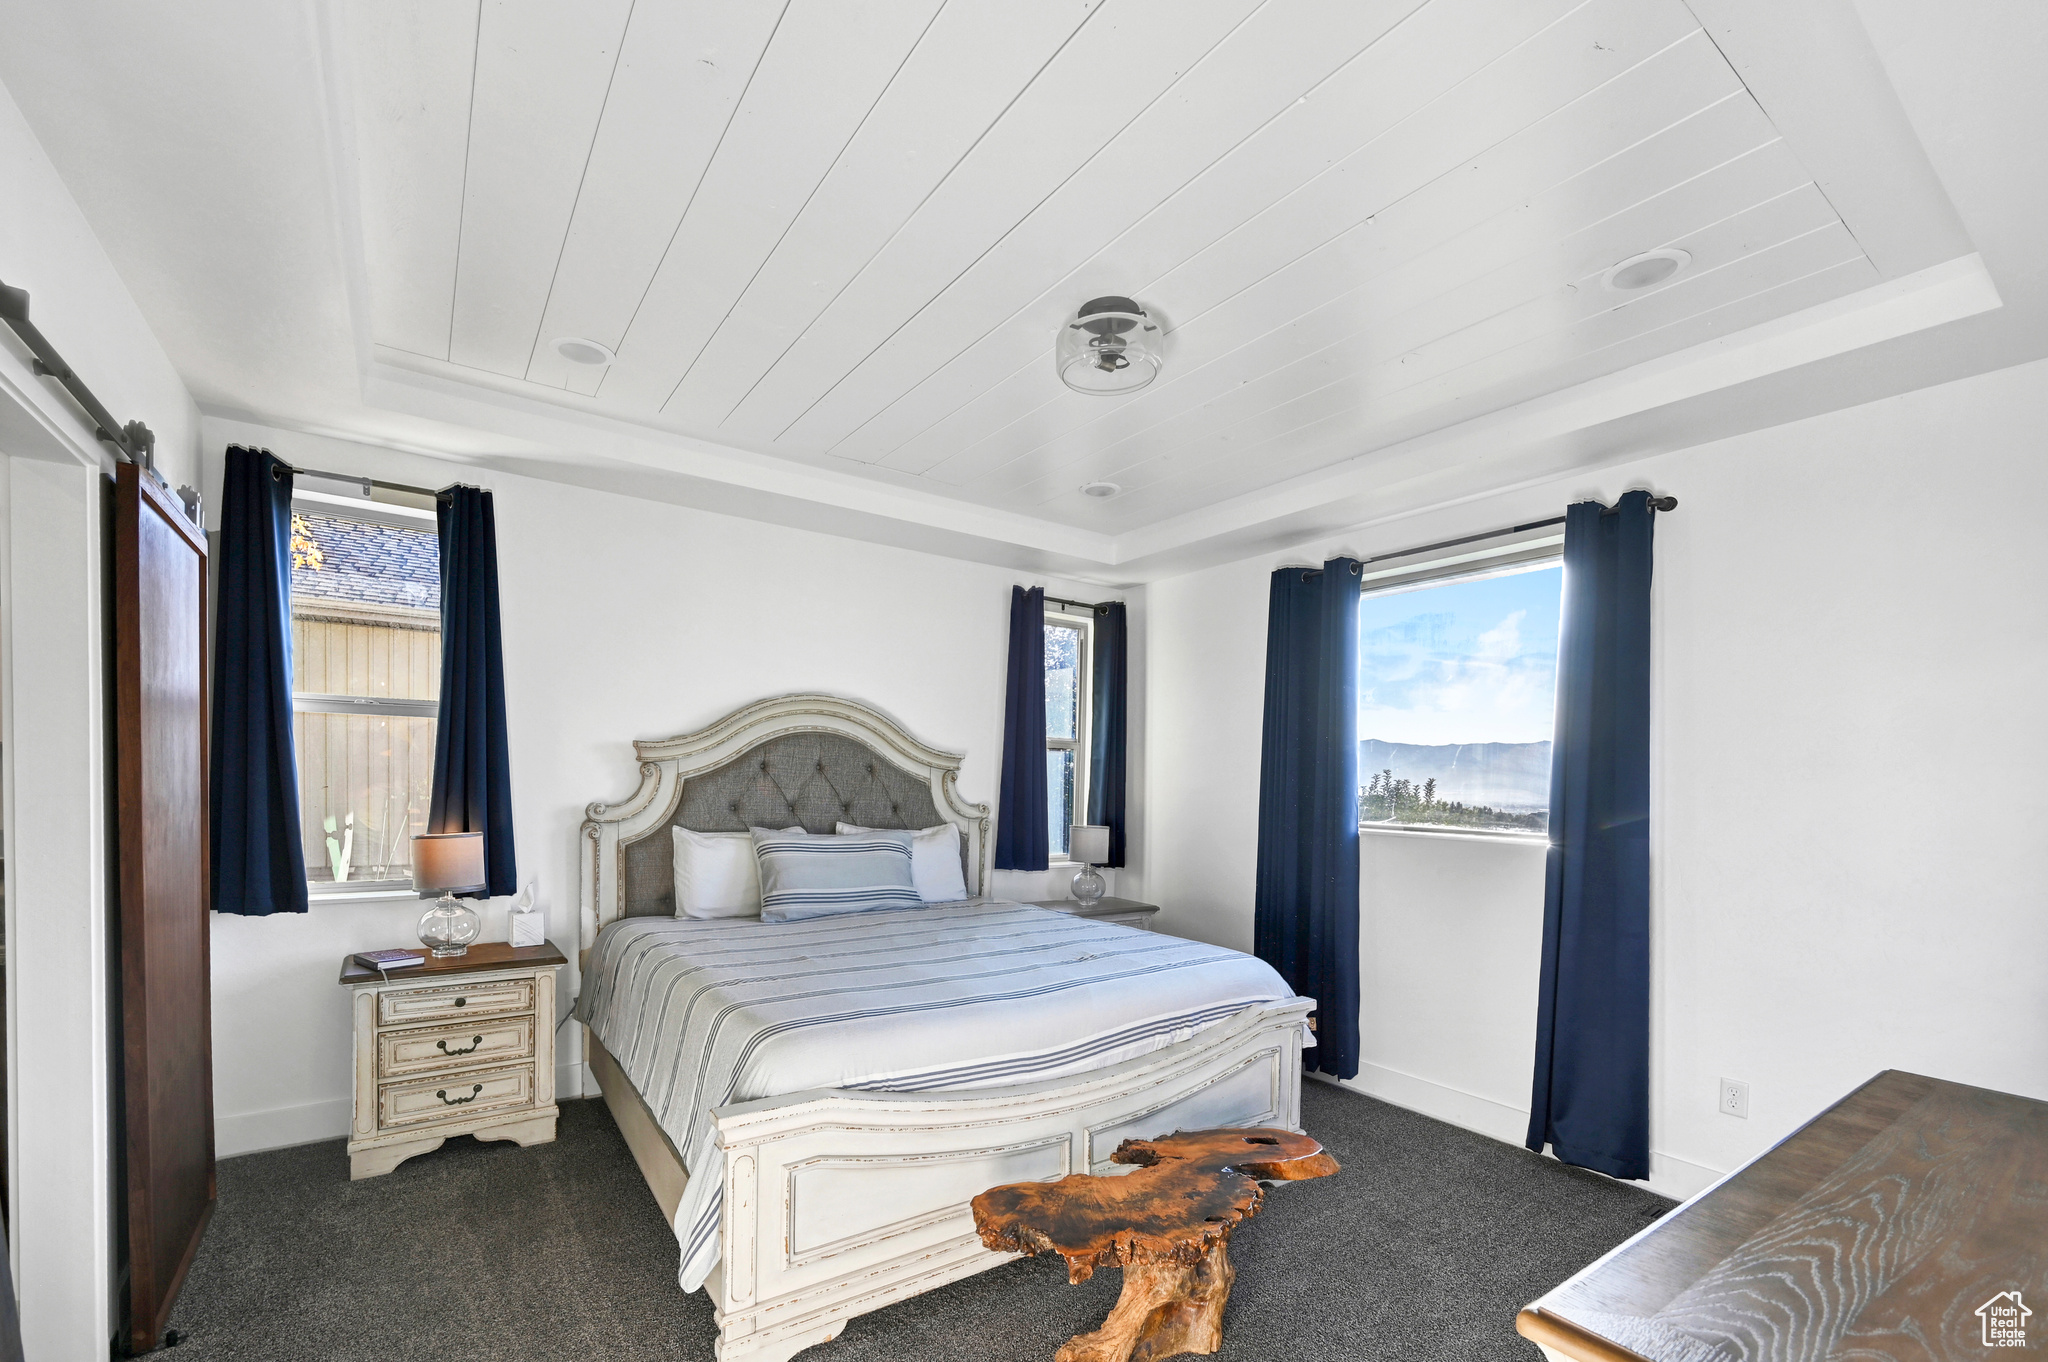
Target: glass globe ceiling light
{"x": 1110, "y": 347}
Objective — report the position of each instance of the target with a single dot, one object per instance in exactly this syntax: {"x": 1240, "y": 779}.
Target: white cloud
{"x": 1504, "y": 640}
{"x": 1482, "y": 688}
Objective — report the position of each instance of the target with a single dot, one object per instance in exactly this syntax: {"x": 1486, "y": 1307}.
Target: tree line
{"x": 1390, "y": 800}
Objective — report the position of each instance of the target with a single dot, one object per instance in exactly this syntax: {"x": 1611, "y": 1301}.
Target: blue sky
{"x": 1467, "y": 662}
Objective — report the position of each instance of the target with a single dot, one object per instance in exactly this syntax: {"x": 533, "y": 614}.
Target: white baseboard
{"x": 250, "y": 1132}
{"x": 1680, "y": 1179}
{"x": 1674, "y": 1177}
{"x": 1482, "y": 1114}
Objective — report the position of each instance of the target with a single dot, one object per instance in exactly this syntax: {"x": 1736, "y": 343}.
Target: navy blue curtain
{"x": 259, "y": 865}
{"x": 472, "y": 776}
{"x": 1109, "y": 709}
{"x": 1591, "y": 1098}
{"x": 1305, "y": 920}
{"x": 1023, "y": 829}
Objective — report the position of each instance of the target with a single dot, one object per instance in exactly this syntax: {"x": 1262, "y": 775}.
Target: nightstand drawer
{"x": 453, "y": 1097}
{"x": 453, "y": 1002}
{"x": 440, "y": 1048}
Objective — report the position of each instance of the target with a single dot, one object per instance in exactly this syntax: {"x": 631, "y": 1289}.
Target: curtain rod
{"x": 1092, "y": 606}
{"x": 365, "y": 483}
{"x": 134, "y": 441}
{"x": 1656, "y": 504}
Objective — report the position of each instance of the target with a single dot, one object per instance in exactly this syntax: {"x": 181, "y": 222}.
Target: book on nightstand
{"x": 389, "y": 960}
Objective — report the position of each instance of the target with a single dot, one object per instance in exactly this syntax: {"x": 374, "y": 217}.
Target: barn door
{"x": 160, "y": 820}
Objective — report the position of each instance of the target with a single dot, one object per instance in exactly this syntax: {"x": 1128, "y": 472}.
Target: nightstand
{"x": 1123, "y": 912}
{"x": 461, "y": 1045}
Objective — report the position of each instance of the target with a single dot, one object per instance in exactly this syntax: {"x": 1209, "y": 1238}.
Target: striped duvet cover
{"x": 977, "y": 994}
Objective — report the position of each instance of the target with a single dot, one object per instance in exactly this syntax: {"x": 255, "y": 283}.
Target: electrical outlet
{"x": 1734, "y": 1098}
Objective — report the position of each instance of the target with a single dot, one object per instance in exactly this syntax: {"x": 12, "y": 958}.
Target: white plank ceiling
{"x": 846, "y": 231}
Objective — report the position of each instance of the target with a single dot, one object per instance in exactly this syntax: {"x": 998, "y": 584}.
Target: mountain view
{"x": 1496, "y": 786}
{"x": 1457, "y": 684}
{"x": 1511, "y": 776}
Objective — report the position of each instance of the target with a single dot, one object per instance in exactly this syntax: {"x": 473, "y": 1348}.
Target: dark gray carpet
{"x": 1423, "y": 1247}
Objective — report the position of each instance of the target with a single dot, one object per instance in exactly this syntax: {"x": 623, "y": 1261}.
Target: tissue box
{"x": 528, "y": 929}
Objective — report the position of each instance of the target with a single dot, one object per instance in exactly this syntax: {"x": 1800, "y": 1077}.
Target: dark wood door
{"x": 160, "y": 816}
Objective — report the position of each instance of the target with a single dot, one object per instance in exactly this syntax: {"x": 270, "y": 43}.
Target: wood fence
{"x": 365, "y": 780}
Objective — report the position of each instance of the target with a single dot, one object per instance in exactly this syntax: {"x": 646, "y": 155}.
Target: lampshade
{"x": 448, "y": 863}
{"x": 1089, "y": 843}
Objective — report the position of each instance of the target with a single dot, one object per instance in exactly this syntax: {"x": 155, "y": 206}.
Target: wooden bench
{"x": 1167, "y": 1225}
{"x": 1908, "y": 1221}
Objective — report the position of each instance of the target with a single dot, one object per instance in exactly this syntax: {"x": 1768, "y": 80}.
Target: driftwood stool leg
{"x": 1167, "y": 1225}
{"x": 1166, "y": 1308}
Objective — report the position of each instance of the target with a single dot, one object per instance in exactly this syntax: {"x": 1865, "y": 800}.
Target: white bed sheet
{"x": 982, "y": 993}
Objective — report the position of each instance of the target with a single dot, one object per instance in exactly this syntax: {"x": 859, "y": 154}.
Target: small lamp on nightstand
{"x": 1088, "y": 843}
{"x": 448, "y": 863}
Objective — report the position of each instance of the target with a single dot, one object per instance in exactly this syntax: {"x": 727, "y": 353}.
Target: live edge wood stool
{"x": 1167, "y": 1225}
{"x": 459, "y": 1045}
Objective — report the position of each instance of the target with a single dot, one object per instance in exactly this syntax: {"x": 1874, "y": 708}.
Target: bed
{"x": 814, "y": 1103}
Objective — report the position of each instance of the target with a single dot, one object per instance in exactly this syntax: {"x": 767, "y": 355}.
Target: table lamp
{"x": 1088, "y": 843}
{"x": 448, "y": 863}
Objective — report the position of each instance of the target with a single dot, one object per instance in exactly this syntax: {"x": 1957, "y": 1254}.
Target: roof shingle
{"x": 365, "y": 564}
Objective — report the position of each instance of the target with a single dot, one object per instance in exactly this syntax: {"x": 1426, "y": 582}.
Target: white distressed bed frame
{"x": 837, "y": 1202}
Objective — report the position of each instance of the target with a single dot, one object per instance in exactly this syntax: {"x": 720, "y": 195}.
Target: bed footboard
{"x": 837, "y": 1203}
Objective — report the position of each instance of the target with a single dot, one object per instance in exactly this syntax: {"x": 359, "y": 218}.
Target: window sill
{"x": 1533, "y": 839}
{"x": 315, "y": 896}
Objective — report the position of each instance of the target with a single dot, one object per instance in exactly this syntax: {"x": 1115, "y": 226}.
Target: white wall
{"x": 624, "y": 619}
{"x": 82, "y": 307}
{"x": 1447, "y": 990}
{"x": 59, "y": 961}
{"x": 1848, "y": 734}
{"x": 59, "y": 981}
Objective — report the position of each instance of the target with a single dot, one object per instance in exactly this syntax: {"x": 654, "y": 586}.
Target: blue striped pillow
{"x": 818, "y": 876}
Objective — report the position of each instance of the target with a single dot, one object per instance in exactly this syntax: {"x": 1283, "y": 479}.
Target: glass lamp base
{"x": 1088, "y": 887}
{"x": 449, "y": 926}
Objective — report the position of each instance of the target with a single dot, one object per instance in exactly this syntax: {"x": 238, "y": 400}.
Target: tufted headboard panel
{"x": 815, "y": 780}
{"x": 797, "y": 760}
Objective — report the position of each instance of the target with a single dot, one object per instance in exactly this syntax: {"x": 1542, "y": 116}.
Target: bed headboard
{"x": 809, "y": 760}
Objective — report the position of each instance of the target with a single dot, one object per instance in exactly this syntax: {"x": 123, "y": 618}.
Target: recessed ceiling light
{"x": 1101, "y": 489}
{"x": 577, "y": 350}
{"x": 1647, "y": 270}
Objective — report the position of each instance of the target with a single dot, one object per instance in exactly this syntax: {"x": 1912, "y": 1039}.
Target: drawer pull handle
{"x": 474, "y": 1041}
{"x": 442, "y": 1093}
{"x": 460, "y": 1001}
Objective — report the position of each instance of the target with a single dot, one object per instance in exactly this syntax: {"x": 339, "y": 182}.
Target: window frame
{"x": 1079, "y": 744}
{"x": 369, "y": 706}
{"x": 1529, "y": 551}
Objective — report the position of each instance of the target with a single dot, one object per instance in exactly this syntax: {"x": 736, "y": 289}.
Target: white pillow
{"x": 934, "y": 860}
{"x": 716, "y": 874}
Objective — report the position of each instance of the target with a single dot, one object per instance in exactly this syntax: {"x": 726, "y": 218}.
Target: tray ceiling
{"x": 846, "y": 233}
{"x": 831, "y": 241}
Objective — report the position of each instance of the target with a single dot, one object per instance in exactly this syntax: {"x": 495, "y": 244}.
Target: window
{"x": 366, "y": 685}
{"x": 1067, "y": 688}
{"x": 1457, "y": 685}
